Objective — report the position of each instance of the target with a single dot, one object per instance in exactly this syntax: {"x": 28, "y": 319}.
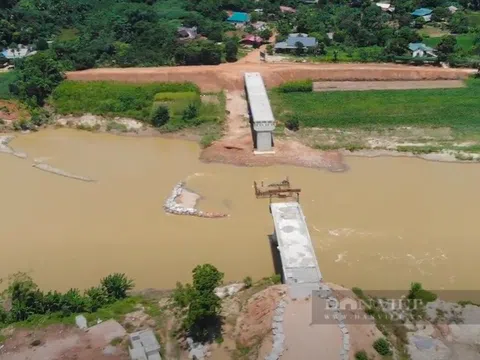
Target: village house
{"x": 259, "y": 25}
{"x": 186, "y": 33}
{"x": 287, "y": 10}
{"x": 239, "y": 18}
{"x": 452, "y": 9}
{"x": 19, "y": 52}
{"x": 421, "y": 50}
{"x": 386, "y": 7}
{"x": 424, "y": 13}
{"x": 252, "y": 40}
{"x": 292, "y": 40}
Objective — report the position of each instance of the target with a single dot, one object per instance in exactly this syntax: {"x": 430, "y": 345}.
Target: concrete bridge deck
{"x": 299, "y": 263}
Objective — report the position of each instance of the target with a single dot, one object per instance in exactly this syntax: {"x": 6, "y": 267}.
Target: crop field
{"x": 457, "y": 108}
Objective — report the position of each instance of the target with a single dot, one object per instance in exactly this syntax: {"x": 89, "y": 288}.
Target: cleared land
{"x": 230, "y": 76}
{"x": 385, "y": 85}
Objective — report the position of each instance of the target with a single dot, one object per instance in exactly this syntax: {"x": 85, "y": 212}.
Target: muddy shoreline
{"x": 236, "y": 152}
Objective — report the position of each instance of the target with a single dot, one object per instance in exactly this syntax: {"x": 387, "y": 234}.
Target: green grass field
{"x": 5, "y": 80}
{"x": 112, "y": 98}
{"x": 137, "y": 101}
{"x": 474, "y": 18}
{"x": 456, "y": 108}
{"x": 464, "y": 41}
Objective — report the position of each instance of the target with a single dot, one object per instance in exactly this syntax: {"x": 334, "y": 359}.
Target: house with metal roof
{"x": 421, "y": 50}
{"x": 19, "y": 52}
{"x": 293, "y": 39}
{"x": 239, "y": 18}
{"x": 425, "y": 13}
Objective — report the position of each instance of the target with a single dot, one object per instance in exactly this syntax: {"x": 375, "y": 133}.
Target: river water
{"x": 384, "y": 223}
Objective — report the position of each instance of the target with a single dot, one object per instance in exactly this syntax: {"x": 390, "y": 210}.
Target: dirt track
{"x": 230, "y": 76}
{"x": 386, "y": 85}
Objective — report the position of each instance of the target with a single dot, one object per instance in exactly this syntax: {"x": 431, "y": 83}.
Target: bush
{"x": 174, "y": 96}
{"x": 190, "y": 112}
{"x": 117, "y": 285}
{"x": 382, "y": 346}
{"x": 417, "y": 292}
{"x": 361, "y": 355}
{"x": 160, "y": 116}
{"x": 292, "y": 124}
{"x": 248, "y": 282}
{"x": 296, "y": 86}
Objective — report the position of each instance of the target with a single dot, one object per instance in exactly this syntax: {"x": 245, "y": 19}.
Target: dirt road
{"x": 230, "y": 76}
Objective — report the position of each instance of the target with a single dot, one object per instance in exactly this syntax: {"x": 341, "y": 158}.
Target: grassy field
{"x": 456, "y": 108}
{"x": 464, "y": 41}
{"x": 5, "y": 80}
{"x": 474, "y": 18}
{"x": 112, "y": 99}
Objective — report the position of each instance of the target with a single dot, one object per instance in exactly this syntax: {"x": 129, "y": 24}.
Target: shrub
{"x": 207, "y": 140}
{"x": 296, "y": 86}
{"x": 292, "y": 124}
{"x": 174, "y": 96}
{"x": 248, "y": 282}
{"x": 361, "y": 355}
{"x": 116, "y": 126}
{"x": 382, "y": 346}
{"x": 190, "y": 112}
{"x": 417, "y": 292}
{"x": 276, "y": 279}
{"x": 117, "y": 285}
{"x": 160, "y": 116}
{"x": 97, "y": 297}
{"x": 181, "y": 295}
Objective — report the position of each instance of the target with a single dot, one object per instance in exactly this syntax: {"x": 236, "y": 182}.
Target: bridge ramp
{"x": 299, "y": 263}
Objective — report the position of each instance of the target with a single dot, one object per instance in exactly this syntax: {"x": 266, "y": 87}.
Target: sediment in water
{"x": 6, "y": 149}
{"x": 53, "y": 170}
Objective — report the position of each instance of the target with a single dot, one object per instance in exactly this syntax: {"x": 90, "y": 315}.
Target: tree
{"x": 265, "y": 34}
{"x": 270, "y": 49}
{"x": 117, "y": 285}
{"x": 160, "y": 116}
{"x": 440, "y": 13}
{"x": 38, "y": 76}
{"x": 42, "y": 44}
{"x": 299, "y": 48}
{"x": 458, "y": 23}
{"x": 283, "y": 27}
{"x": 203, "y": 313}
{"x": 419, "y": 22}
{"x": 446, "y": 46}
{"x": 231, "y": 49}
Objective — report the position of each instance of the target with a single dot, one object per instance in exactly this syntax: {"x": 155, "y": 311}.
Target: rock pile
{"x": 326, "y": 293}
{"x": 171, "y": 206}
{"x": 197, "y": 351}
{"x": 4, "y": 148}
{"x": 228, "y": 290}
{"x": 278, "y": 334}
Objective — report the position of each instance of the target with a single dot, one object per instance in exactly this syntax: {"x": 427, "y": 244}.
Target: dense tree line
{"x": 89, "y": 33}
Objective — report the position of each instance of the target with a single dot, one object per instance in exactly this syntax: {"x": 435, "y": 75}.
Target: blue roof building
{"x": 239, "y": 18}
{"x": 293, "y": 39}
{"x": 422, "y": 12}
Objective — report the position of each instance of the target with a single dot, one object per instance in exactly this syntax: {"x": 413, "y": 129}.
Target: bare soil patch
{"x": 386, "y": 85}
{"x": 10, "y": 111}
{"x": 230, "y": 76}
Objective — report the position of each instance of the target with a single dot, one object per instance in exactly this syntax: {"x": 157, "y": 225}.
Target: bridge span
{"x": 300, "y": 270}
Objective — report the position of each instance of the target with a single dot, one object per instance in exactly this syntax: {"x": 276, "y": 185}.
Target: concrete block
{"x": 81, "y": 322}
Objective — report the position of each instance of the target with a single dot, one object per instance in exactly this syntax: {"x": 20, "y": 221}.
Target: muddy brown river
{"x": 381, "y": 225}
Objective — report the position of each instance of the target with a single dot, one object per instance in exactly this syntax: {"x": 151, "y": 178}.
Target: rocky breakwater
{"x": 53, "y": 170}
{"x": 4, "y": 148}
{"x": 173, "y": 207}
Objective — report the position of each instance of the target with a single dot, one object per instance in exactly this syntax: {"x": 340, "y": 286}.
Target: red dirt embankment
{"x": 230, "y": 76}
